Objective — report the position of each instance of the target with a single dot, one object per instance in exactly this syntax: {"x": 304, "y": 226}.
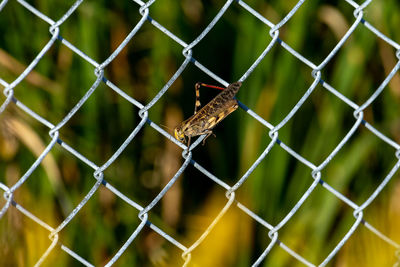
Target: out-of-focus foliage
{"x": 144, "y": 66}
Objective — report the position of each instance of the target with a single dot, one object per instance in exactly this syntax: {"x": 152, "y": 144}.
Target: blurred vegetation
{"x": 141, "y": 69}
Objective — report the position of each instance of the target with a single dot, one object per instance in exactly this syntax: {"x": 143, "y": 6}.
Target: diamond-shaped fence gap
{"x": 73, "y": 132}
{"x": 317, "y": 136}
{"x": 375, "y": 85}
{"x": 141, "y": 167}
{"x": 300, "y": 32}
{"x": 170, "y": 74}
{"x": 140, "y": 157}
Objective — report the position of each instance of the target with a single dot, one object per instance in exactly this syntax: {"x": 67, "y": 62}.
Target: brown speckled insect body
{"x": 204, "y": 120}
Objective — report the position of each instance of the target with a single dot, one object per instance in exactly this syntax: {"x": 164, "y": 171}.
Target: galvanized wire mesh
{"x": 272, "y": 130}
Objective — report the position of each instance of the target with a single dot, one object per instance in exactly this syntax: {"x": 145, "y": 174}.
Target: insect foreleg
{"x": 188, "y": 143}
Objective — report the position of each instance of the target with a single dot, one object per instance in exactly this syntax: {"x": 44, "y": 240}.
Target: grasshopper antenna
{"x": 166, "y": 127}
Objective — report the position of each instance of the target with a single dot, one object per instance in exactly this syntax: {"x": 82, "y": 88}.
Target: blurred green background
{"x": 141, "y": 69}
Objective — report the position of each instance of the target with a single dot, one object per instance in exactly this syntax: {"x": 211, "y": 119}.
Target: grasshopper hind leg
{"x": 197, "y": 103}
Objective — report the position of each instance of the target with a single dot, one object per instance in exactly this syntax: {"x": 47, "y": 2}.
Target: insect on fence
{"x": 203, "y": 121}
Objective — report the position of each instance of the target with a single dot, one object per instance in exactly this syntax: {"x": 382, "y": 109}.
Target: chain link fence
{"x": 315, "y": 169}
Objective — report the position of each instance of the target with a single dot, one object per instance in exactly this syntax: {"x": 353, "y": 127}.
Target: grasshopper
{"x": 203, "y": 121}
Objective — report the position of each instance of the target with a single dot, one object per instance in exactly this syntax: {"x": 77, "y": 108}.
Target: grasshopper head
{"x": 179, "y": 134}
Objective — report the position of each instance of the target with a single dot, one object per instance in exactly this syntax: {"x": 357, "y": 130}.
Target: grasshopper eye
{"x": 183, "y": 139}
{"x": 179, "y": 135}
